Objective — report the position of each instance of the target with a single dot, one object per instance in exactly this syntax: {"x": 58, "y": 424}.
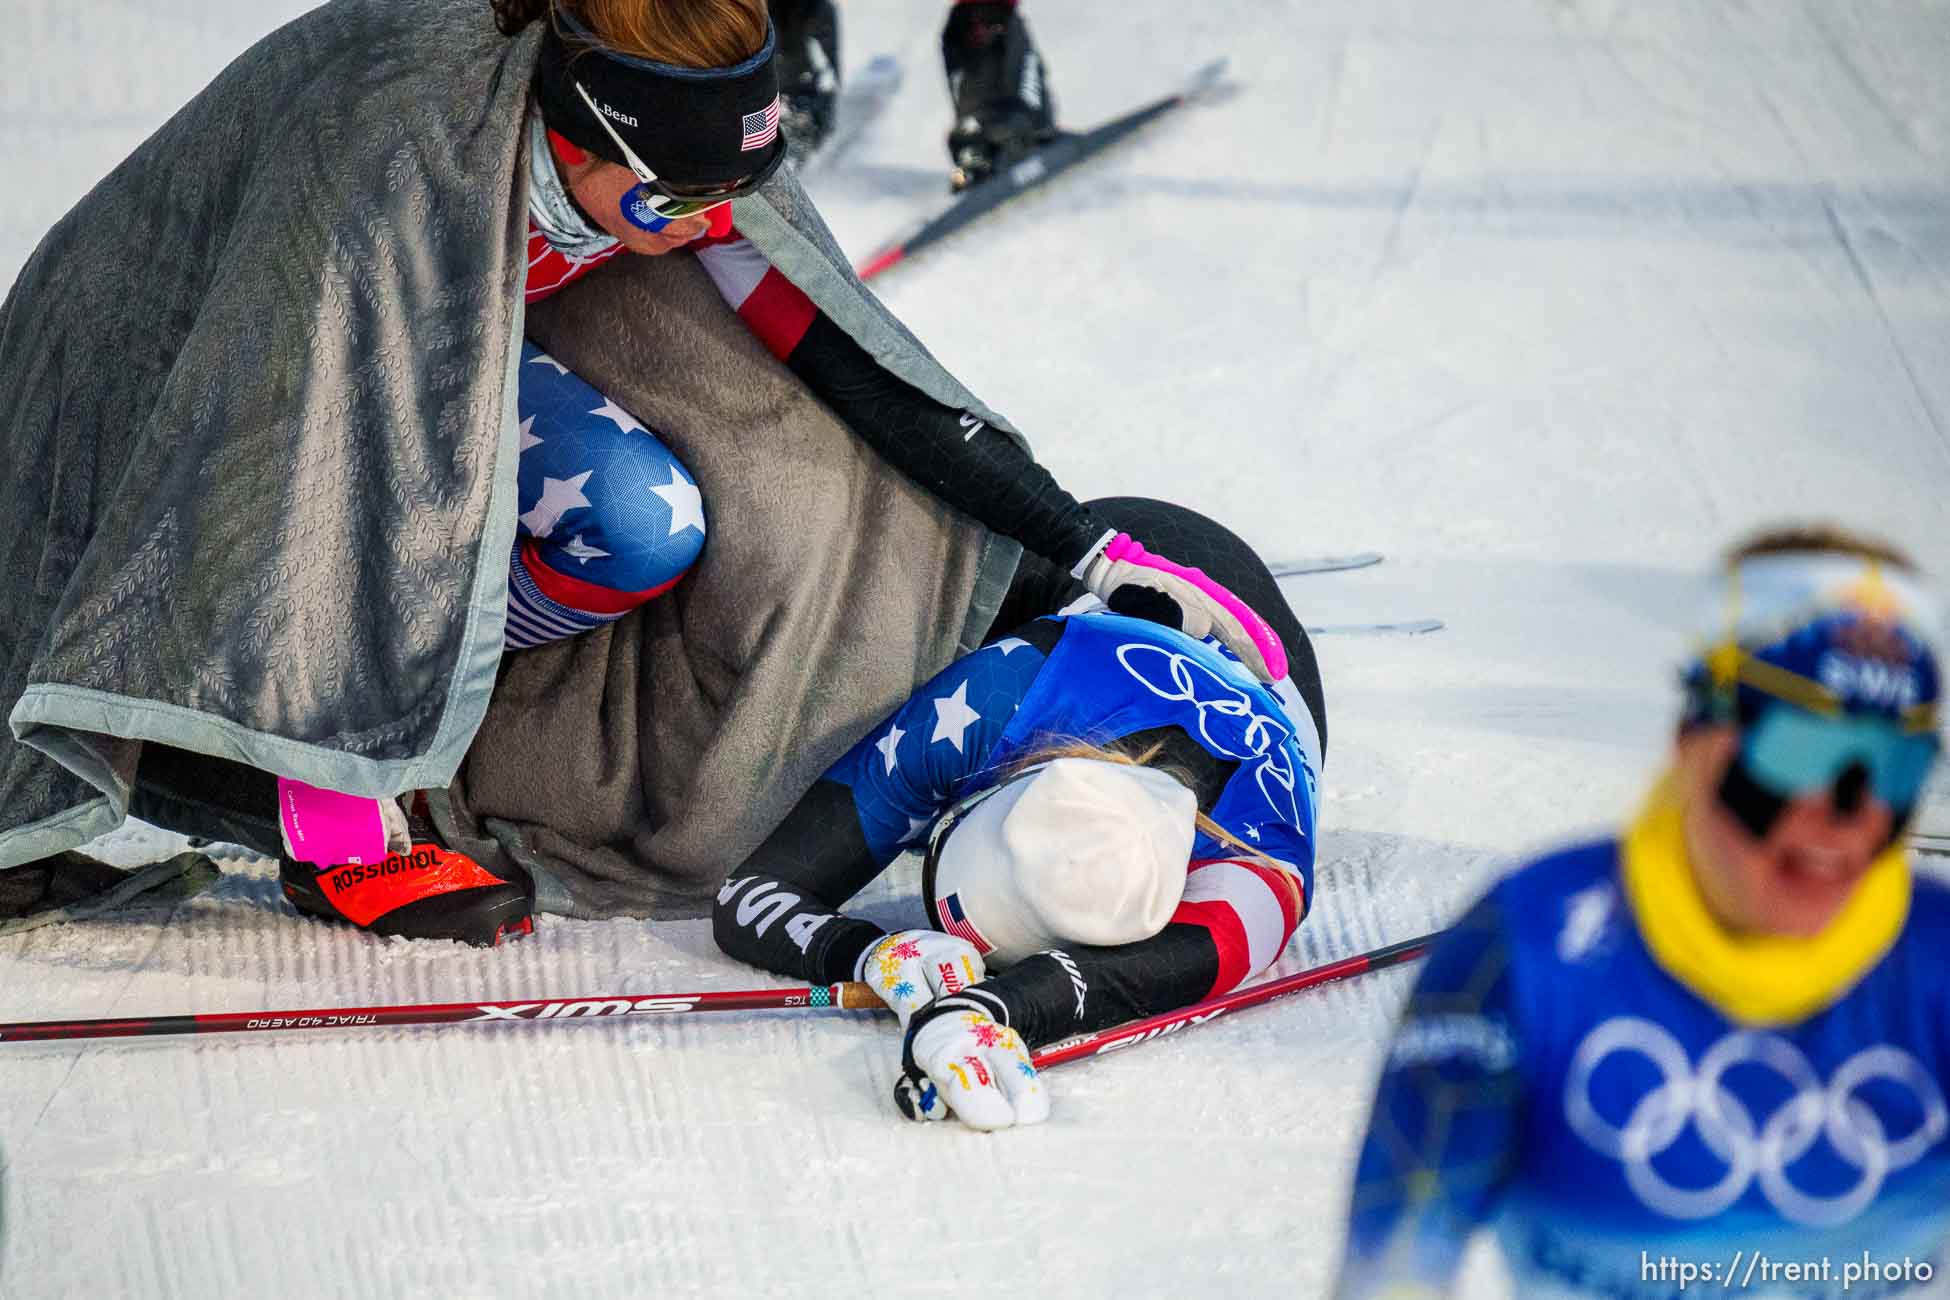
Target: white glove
{"x": 958, "y": 1059}
{"x": 1205, "y": 607}
{"x": 911, "y": 968}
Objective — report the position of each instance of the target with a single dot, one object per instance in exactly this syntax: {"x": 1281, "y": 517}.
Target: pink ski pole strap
{"x": 328, "y": 828}
{"x": 1126, "y": 549}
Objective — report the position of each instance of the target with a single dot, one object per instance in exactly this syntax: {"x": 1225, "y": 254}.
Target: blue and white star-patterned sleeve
{"x": 911, "y": 767}
{"x": 608, "y": 516}
{"x": 780, "y": 909}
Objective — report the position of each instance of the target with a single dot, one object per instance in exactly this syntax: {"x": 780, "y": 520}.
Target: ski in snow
{"x": 860, "y": 102}
{"x": 1415, "y": 627}
{"x": 1052, "y": 160}
{"x": 1323, "y": 563}
{"x": 1932, "y": 842}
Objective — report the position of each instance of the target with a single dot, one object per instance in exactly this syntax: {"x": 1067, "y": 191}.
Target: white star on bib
{"x": 888, "y": 744}
{"x": 953, "y": 718}
{"x": 621, "y": 418}
{"x": 559, "y": 497}
{"x": 582, "y": 550}
{"x": 685, "y": 501}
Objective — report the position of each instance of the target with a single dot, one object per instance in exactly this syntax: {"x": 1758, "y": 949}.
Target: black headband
{"x": 691, "y": 126}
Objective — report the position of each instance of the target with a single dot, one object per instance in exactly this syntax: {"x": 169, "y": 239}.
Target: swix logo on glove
{"x": 951, "y": 977}
{"x": 974, "y": 1067}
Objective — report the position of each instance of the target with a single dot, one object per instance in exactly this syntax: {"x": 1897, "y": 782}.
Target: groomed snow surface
{"x": 1546, "y": 300}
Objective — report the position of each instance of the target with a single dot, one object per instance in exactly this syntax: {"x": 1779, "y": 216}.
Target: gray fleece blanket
{"x": 257, "y": 445}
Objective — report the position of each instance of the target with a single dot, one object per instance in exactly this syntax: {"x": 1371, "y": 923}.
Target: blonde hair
{"x": 1052, "y": 748}
{"x": 688, "y": 33}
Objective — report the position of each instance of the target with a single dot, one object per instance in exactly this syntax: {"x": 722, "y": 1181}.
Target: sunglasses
{"x": 1791, "y": 752}
{"x": 655, "y": 203}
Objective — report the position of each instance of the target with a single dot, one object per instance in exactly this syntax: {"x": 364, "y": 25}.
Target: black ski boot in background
{"x": 1003, "y": 108}
{"x": 809, "y": 71}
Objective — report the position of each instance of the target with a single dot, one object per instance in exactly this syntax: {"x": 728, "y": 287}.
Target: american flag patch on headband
{"x": 761, "y": 128}
{"x": 955, "y": 922}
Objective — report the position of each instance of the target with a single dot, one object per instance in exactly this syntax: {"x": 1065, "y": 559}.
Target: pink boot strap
{"x": 328, "y": 828}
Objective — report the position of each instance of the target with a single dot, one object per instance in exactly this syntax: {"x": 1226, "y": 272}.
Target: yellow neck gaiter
{"x": 1756, "y": 980}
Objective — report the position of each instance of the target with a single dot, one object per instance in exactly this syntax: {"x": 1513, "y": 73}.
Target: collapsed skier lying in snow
{"x": 1115, "y": 815}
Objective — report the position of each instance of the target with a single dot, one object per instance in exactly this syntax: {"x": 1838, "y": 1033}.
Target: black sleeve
{"x": 1077, "y": 989}
{"x": 780, "y": 911}
{"x": 980, "y": 471}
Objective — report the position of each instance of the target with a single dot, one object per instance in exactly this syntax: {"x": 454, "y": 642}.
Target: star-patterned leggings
{"x": 609, "y": 517}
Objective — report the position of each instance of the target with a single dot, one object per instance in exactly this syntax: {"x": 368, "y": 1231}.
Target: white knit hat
{"x": 1080, "y": 850}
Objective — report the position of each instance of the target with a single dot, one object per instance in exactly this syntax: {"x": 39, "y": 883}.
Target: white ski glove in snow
{"x": 1205, "y": 608}
{"x": 911, "y": 968}
{"x": 958, "y": 1059}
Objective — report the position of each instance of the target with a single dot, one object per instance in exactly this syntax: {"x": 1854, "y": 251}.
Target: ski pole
{"x": 832, "y": 997}
{"x": 848, "y": 996}
{"x": 1140, "y": 1031}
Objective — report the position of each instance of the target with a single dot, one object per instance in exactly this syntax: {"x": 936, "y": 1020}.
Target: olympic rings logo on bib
{"x": 1755, "y": 1150}
{"x": 1246, "y": 733}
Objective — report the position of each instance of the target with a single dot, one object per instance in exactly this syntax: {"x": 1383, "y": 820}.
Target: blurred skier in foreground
{"x": 1117, "y": 815}
{"x": 1712, "y": 1051}
{"x": 996, "y": 80}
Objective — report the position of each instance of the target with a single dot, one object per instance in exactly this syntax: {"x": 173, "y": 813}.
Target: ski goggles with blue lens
{"x": 655, "y": 203}
{"x": 715, "y": 130}
{"x": 1790, "y": 752}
